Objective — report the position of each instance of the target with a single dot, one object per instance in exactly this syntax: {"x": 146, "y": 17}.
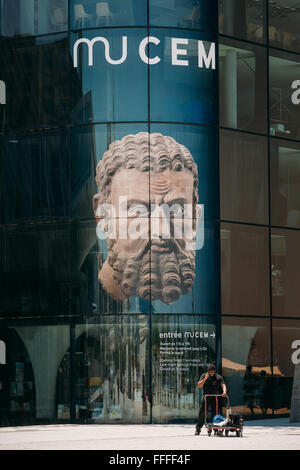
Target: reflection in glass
{"x": 286, "y": 342}
{"x": 44, "y": 170}
{"x": 195, "y": 14}
{"x": 37, "y": 75}
{"x": 38, "y": 387}
{"x": 99, "y": 14}
{"x": 182, "y": 347}
{"x": 18, "y": 392}
{"x": 112, "y": 365}
{"x": 285, "y": 184}
{"x": 245, "y": 274}
{"x": 284, "y": 17}
{"x": 244, "y": 20}
{"x": 182, "y": 93}
{"x": 285, "y": 272}
{"x": 243, "y": 177}
{"x": 30, "y": 18}
{"x": 243, "y": 86}
{"x": 35, "y": 274}
{"x": 247, "y": 365}
{"x": 284, "y": 114}
{"x": 106, "y": 92}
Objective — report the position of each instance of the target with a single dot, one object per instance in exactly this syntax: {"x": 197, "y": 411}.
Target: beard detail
{"x": 161, "y": 270}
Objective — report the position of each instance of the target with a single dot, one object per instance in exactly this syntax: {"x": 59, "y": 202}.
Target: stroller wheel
{"x": 209, "y": 432}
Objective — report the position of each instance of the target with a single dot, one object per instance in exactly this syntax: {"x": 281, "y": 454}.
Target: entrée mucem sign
{"x": 179, "y": 51}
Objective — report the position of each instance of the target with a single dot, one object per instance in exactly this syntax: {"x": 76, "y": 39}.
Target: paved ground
{"x": 258, "y": 435}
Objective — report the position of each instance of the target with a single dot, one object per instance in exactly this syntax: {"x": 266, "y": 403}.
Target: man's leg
{"x": 201, "y": 416}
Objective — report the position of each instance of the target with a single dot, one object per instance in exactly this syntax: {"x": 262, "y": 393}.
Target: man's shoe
{"x": 197, "y": 432}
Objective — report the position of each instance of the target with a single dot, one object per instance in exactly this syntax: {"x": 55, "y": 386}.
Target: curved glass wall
{"x": 148, "y": 208}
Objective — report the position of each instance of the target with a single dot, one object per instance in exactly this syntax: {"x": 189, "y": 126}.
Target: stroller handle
{"x": 216, "y": 397}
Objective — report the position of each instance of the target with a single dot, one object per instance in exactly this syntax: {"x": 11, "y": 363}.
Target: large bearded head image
{"x": 148, "y": 171}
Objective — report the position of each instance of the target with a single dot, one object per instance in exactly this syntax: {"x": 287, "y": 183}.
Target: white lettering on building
{"x": 2, "y": 92}
{"x": 206, "y": 58}
{"x": 296, "y": 94}
{"x": 296, "y": 354}
{"x": 2, "y": 352}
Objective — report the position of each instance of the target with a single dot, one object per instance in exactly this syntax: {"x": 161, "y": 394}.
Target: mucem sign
{"x": 206, "y": 58}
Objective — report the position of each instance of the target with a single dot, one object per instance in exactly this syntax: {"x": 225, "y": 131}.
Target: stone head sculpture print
{"x": 147, "y": 208}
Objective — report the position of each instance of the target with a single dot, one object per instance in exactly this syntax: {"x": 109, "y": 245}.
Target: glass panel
{"x": 286, "y": 355}
{"x": 182, "y": 87}
{"x": 33, "y": 17}
{"x": 105, "y": 91}
{"x": 36, "y": 269}
{"x": 35, "y": 380}
{"x": 108, "y": 251}
{"x": 42, "y": 162}
{"x": 201, "y": 143}
{"x": 284, "y": 113}
{"x": 199, "y": 273}
{"x": 244, "y": 20}
{"x": 182, "y": 347}
{"x": 37, "y": 75}
{"x": 246, "y": 365}
{"x": 112, "y": 364}
{"x": 97, "y": 14}
{"x": 243, "y": 178}
{"x": 196, "y": 147}
{"x": 284, "y": 17}
{"x": 285, "y": 183}
{"x": 195, "y": 14}
{"x": 243, "y": 86}
{"x": 285, "y": 272}
{"x": 245, "y": 273}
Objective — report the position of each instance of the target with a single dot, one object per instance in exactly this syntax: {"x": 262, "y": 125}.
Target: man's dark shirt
{"x": 213, "y": 385}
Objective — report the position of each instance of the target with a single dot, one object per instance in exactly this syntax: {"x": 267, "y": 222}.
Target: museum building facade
{"x": 150, "y": 207}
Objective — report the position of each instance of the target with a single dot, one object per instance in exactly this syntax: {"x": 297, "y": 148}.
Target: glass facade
{"x": 149, "y": 208}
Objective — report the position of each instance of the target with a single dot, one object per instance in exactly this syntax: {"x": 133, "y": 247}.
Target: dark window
{"x": 285, "y": 272}
{"x": 286, "y": 346}
{"x": 285, "y": 183}
{"x": 284, "y": 110}
{"x": 36, "y": 72}
{"x": 99, "y": 14}
{"x": 243, "y": 86}
{"x": 36, "y": 270}
{"x": 244, "y": 20}
{"x": 36, "y": 177}
{"x": 246, "y": 365}
{"x": 33, "y": 17}
{"x": 243, "y": 177}
{"x": 245, "y": 273}
{"x": 195, "y": 14}
{"x": 284, "y": 20}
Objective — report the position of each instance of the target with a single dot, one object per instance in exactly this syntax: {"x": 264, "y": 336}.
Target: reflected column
{"x": 229, "y": 91}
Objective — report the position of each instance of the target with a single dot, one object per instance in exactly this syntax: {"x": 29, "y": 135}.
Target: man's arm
{"x": 202, "y": 382}
{"x": 224, "y": 388}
